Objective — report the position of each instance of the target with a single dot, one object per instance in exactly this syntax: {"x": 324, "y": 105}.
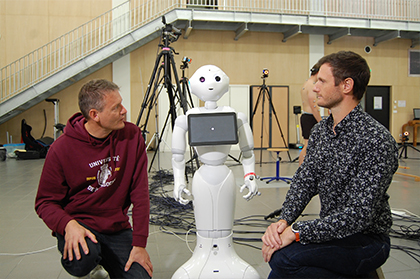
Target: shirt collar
{"x": 346, "y": 120}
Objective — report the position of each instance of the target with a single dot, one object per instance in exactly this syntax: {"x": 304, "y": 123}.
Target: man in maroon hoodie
{"x": 91, "y": 176}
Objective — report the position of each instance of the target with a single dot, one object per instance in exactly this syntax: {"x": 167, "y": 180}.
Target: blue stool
{"x": 277, "y": 177}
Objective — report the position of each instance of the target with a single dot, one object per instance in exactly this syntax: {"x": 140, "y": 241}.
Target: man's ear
{"x": 348, "y": 84}
{"x": 94, "y": 115}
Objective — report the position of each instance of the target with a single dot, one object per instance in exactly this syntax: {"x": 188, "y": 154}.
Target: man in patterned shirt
{"x": 350, "y": 162}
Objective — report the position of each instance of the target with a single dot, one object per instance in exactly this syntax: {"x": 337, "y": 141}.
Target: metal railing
{"x": 100, "y": 31}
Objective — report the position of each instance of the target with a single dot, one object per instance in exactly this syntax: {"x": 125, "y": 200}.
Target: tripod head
{"x": 170, "y": 33}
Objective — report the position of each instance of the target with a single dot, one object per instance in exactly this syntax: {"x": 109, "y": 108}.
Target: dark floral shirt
{"x": 351, "y": 171}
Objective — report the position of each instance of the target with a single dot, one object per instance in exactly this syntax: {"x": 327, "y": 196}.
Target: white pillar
{"x": 121, "y": 76}
{"x": 121, "y": 73}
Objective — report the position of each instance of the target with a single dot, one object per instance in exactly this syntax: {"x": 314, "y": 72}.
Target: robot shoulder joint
{"x": 181, "y": 121}
{"x": 242, "y": 118}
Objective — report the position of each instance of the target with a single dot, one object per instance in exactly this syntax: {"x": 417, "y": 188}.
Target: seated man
{"x": 350, "y": 162}
{"x": 91, "y": 176}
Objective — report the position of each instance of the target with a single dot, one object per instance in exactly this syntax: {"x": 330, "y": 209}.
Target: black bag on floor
{"x": 31, "y": 144}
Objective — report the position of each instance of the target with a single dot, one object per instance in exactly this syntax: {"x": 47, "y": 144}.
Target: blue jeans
{"x": 352, "y": 257}
{"x": 112, "y": 252}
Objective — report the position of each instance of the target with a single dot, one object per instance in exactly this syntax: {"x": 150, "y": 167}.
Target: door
{"x": 377, "y": 103}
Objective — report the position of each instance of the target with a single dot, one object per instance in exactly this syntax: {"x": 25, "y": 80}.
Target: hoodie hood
{"x": 75, "y": 128}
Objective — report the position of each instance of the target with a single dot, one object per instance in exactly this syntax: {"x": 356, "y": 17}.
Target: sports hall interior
{"x": 240, "y": 37}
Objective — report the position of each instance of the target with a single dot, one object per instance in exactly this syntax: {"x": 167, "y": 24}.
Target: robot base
{"x": 215, "y": 258}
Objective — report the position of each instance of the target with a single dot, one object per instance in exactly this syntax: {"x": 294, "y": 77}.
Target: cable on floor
{"x": 28, "y": 253}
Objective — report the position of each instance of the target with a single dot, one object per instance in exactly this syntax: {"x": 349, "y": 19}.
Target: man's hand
{"x": 74, "y": 235}
{"x": 140, "y": 255}
{"x": 271, "y": 236}
{"x": 267, "y": 252}
{"x": 273, "y": 240}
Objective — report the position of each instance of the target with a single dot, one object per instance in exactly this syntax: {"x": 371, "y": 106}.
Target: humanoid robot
{"x": 213, "y": 184}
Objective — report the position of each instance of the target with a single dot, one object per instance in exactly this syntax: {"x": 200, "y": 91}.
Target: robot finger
{"x": 186, "y": 191}
{"x": 183, "y": 201}
{"x": 249, "y": 196}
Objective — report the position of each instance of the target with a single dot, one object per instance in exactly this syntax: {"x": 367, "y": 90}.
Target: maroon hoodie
{"x": 95, "y": 182}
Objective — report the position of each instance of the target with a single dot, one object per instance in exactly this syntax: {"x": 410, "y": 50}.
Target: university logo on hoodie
{"x": 103, "y": 175}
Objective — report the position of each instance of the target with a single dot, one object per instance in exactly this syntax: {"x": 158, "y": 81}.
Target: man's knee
{"x": 86, "y": 263}
{"x": 280, "y": 260}
{"x": 138, "y": 272}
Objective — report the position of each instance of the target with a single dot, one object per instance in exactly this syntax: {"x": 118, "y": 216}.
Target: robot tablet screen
{"x": 212, "y": 129}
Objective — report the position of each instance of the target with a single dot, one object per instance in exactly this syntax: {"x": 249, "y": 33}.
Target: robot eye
{"x": 217, "y": 78}
{"x": 202, "y": 79}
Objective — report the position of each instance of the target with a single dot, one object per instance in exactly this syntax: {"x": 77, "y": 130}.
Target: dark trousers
{"x": 112, "y": 252}
{"x": 352, "y": 257}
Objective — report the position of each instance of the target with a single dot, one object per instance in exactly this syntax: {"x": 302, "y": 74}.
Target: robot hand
{"x": 251, "y": 184}
{"x": 178, "y": 191}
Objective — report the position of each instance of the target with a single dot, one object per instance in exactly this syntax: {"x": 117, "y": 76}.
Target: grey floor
{"x": 27, "y": 249}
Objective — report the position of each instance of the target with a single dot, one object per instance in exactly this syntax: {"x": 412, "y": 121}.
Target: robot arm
{"x": 246, "y": 144}
{"x": 178, "y": 160}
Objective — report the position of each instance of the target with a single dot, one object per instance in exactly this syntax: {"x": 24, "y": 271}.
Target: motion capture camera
{"x": 405, "y": 136}
{"x": 265, "y": 73}
{"x": 314, "y": 71}
{"x": 186, "y": 60}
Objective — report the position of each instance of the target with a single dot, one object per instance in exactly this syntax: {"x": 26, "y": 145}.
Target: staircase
{"x": 101, "y": 41}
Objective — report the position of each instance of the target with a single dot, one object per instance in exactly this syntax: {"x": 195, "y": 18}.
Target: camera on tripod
{"x": 172, "y": 33}
{"x": 405, "y": 136}
{"x": 185, "y": 61}
{"x": 265, "y": 73}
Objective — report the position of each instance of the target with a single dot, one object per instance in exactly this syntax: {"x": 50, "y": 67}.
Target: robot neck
{"x": 210, "y": 105}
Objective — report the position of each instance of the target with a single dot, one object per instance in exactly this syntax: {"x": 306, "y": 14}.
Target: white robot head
{"x": 209, "y": 83}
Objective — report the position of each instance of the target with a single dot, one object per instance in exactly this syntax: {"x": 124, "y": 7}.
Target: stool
{"x": 376, "y": 274}
{"x": 379, "y": 273}
{"x": 277, "y": 177}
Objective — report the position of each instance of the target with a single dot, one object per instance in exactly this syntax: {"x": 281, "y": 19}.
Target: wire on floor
{"x": 28, "y": 253}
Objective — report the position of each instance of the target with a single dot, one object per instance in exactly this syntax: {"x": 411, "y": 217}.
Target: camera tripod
{"x": 403, "y": 148}
{"x": 263, "y": 93}
{"x": 186, "y": 91}
{"x": 161, "y": 78}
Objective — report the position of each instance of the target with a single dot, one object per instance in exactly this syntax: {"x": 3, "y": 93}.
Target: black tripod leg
{"x": 187, "y": 89}
{"x": 278, "y": 124}
{"x": 149, "y": 87}
{"x": 414, "y": 148}
{"x": 254, "y": 111}
{"x": 404, "y": 147}
{"x": 159, "y": 141}
{"x": 256, "y": 105}
{"x": 154, "y": 97}
{"x": 262, "y": 127}
{"x": 181, "y": 96}
{"x": 169, "y": 89}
